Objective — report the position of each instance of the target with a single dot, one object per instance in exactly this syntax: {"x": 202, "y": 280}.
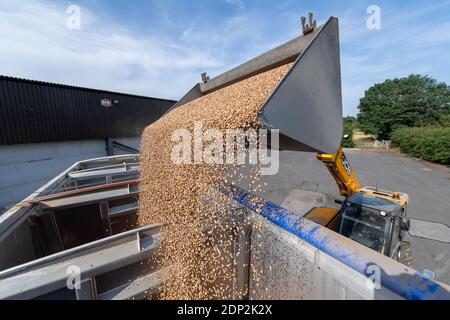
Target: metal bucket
{"x": 306, "y": 106}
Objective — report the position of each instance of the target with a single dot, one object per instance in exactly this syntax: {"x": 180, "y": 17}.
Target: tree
{"x": 414, "y": 101}
{"x": 350, "y": 123}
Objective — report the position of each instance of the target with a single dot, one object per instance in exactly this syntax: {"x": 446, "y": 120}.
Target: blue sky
{"x": 160, "y": 47}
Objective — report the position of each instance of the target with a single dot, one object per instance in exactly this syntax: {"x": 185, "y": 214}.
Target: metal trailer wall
{"x": 289, "y": 268}
{"x": 26, "y": 167}
{"x": 276, "y": 255}
{"x": 34, "y": 111}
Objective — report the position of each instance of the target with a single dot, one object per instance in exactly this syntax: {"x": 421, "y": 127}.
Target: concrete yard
{"x": 428, "y": 186}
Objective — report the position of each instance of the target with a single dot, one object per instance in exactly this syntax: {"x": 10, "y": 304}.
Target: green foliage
{"x": 429, "y": 143}
{"x": 350, "y": 123}
{"x": 445, "y": 121}
{"x": 414, "y": 101}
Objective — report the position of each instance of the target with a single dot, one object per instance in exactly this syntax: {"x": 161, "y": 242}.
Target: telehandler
{"x": 372, "y": 217}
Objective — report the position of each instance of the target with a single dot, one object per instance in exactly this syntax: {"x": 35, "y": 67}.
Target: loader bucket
{"x": 306, "y": 106}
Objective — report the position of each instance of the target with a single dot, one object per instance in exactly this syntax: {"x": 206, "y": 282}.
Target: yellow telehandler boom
{"x": 341, "y": 171}
{"x": 347, "y": 180}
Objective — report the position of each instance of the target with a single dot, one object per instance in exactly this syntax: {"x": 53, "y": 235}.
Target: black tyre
{"x": 405, "y": 253}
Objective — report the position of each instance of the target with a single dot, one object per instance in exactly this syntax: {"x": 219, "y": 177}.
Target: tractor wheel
{"x": 405, "y": 253}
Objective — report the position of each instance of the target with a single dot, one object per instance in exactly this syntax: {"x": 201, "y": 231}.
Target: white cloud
{"x": 36, "y": 44}
{"x": 408, "y": 42}
{"x": 238, "y": 3}
{"x": 238, "y": 38}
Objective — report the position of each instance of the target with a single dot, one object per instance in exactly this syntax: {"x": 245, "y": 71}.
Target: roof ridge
{"x": 54, "y": 84}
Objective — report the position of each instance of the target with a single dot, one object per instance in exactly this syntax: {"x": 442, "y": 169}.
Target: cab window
{"x": 364, "y": 225}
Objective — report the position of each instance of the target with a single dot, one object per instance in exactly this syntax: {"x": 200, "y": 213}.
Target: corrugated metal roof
{"x": 59, "y": 85}
{"x": 36, "y": 111}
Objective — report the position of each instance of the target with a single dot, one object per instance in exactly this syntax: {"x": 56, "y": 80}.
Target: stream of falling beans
{"x": 194, "y": 234}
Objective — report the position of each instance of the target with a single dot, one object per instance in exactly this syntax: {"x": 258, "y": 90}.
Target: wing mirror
{"x": 405, "y": 224}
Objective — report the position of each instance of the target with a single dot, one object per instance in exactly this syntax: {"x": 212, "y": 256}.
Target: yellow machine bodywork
{"x": 348, "y": 182}
{"x": 341, "y": 171}
{"x": 327, "y": 217}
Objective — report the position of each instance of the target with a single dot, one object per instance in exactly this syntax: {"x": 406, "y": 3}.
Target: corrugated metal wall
{"x": 32, "y": 111}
